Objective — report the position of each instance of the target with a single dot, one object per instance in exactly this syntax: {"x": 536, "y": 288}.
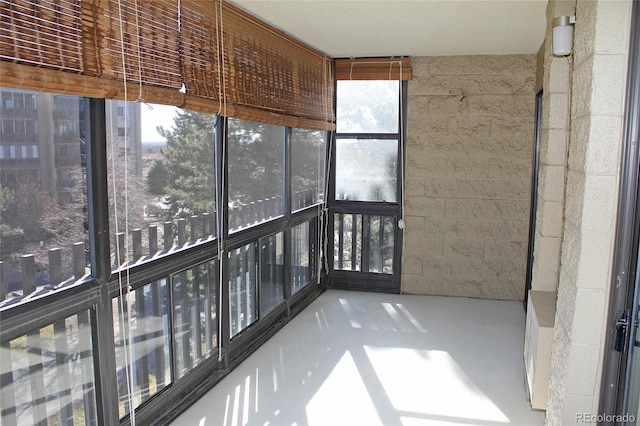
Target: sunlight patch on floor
{"x": 375, "y": 359}
{"x": 451, "y": 394}
{"x": 345, "y": 392}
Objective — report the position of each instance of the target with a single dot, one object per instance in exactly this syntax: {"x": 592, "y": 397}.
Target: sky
{"x": 160, "y": 115}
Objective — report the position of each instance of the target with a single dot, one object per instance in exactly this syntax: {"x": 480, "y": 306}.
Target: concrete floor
{"x": 368, "y": 359}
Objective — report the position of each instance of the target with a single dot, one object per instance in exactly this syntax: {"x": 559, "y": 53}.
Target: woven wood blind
{"x": 140, "y": 39}
{"x": 200, "y": 47}
{"x": 28, "y": 36}
{"x": 207, "y": 56}
{"x": 373, "y": 69}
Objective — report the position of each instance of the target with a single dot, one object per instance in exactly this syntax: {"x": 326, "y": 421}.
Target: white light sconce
{"x": 563, "y": 35}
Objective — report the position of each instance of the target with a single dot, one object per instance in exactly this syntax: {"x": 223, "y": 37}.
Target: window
{"x": 30, "y": 101}
{"x": 141, "y": 320}
{"x": 47, "y": 241}
{"x": 243, "y": 308}
{"x": 271, "y": 272}
{"x": 367, "y": 106}
{"x": 304, "y": 254}
{"x": 366, "y": 169}
{"x": 367, "y": 166}
{"x": 31, "y": 127}
{"x": 163, "y": 188}
{"x": 7, "y": 127}
{"x": 256, "y": 178}
{"x": 195, "y": 315}
{"x": 364, "y": 243}
{"x": 51, "y": 373}
{"x": 164, "y": 281}
{"x": 7, "y": 99}
{"x": 21, "y": 127}
{"x": 126, "y": 281}
{"x": 366, "y": 238}
{"x": 307, "y": 167}
{"x": 18, "y": 100}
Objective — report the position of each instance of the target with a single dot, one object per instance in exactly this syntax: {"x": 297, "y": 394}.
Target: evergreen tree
{"x": 158, "y": 178}
{"x": 307, "y": 165}
{"x": 190, "y": 162}
{"x": 255, "y": 161}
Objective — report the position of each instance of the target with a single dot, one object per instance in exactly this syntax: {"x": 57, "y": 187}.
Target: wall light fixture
{"x": 563, "y": 35}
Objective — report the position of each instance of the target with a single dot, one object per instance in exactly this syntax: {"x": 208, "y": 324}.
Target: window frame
{"x": 96, "y": 291}
{"x": 365, "y": 280}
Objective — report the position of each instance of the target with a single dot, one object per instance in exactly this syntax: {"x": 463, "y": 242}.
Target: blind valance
{"x": 373, "y": 68}
{"x": 207, "y": 56}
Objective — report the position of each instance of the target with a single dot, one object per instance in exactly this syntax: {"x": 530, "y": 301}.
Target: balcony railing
{"x": 47, "y": 375}
{"x": 162, "y": 329}
{"x": 250, "y": 214}
{"x": 172, "y": 235}
{"x": 27, "y": 274}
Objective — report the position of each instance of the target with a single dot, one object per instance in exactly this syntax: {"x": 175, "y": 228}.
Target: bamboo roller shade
{"x": 208, "y": 56}
{"x": 373, "y": 69}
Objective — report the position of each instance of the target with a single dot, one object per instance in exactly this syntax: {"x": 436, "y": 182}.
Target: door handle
{"x": 622, "y": 325}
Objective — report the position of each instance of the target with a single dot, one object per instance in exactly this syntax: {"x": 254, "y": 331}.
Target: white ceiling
{"x": 415, "y": 27}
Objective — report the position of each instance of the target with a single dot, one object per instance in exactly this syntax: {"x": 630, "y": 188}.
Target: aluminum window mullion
{"x": 287, "y": 261}
{"x": 366, "y": 242}
{"x": 50, "y": 308}
{"x": 383, "y": 136}
{"x": 222, "y": 171}
{"x": 102, "y": 317}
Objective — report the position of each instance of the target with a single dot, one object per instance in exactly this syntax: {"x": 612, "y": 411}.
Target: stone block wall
{"x": 599, "y": 66}
{"x": 468, "y": 174}
{"x": 554, "y": 139}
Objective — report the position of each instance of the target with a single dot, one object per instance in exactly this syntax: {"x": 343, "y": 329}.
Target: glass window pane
{"x": 367, "y": 106}
{"x": 162, "y": 182}
{"x": 195, "y": 315}
{"x": 355, "y": 235}
{"x": 255, "y": 173}
{"x": 381, "y": 244}
{"x": 366, "y": 169}
{"x": 43, "y": 219}
{"x": 243, "y": 308}
{"x": 348, "y": 242}
{"x": 301, "y": 256}
{"x": 50, "y": 375}
{"x": 141, "y": 320}
{"x": 271, "y": 272}
{"x": 307, "y": 168}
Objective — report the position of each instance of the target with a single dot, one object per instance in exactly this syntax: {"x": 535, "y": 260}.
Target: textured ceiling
{"x": 415, "y": 28}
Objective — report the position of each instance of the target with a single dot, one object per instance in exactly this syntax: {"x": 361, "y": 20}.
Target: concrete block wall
{"x": 592, "y": 175}
{"x": 469, "y": 153}
{"x": 554, "y": 140}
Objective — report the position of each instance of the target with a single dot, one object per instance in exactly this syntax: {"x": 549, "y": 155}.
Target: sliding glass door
{"x": 620, "y": 386}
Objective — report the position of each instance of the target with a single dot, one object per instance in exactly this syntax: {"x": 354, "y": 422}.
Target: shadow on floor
{"x": 369, "y": 359}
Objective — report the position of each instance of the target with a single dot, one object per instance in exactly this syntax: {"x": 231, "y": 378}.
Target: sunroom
{"x": 184, "y": 183}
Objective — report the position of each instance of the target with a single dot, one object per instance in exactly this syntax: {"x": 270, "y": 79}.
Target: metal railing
{"x": 162, "y": 329}
{"x": 142, "y": 245}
